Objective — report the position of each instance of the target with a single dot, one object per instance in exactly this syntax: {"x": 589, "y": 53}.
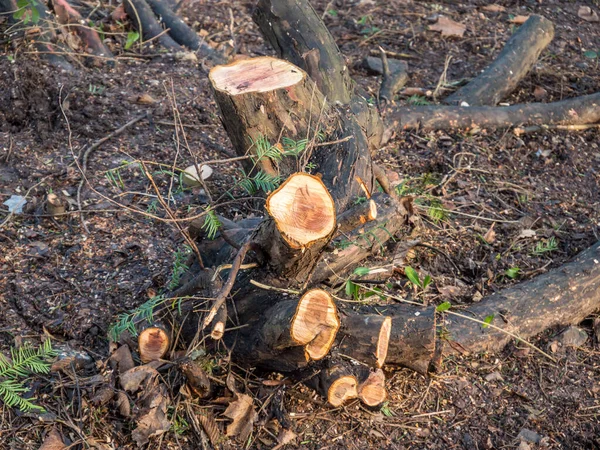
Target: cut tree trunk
{"x": 371, "y": 387}
{"x": 302, "y": 223}
{"x": 337, "y": 383}
{"x": 154, "y": 342}
{"x": 512, "y": 64}
{"x": 262, "y": 100}
{"x": 290, "y": 334}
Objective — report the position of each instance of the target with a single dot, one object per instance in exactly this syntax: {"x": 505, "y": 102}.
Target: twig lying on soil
{"x": 88, "y": 152}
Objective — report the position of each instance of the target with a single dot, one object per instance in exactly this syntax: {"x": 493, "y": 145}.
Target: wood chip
{"x": 518, "y": 20}
{"x": 494, "y": 8}
{"x": 449, "y": 27}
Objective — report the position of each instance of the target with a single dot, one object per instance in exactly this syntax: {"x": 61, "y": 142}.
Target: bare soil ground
{"x": 55, "y": 278}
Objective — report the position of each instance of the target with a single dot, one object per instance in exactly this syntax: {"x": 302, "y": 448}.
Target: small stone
{"x": 529, "y": 436}
{"x": 524, "y": 446}
{"x": 573, "y": 337}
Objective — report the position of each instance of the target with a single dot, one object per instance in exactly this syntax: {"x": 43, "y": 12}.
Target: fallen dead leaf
{"x": 242, "y": 412}
{"x": 123, "y": 404}
{"x": 518, "y": 20}
{"x": 490, "y": 235}
{"x": 152, "y": 420}
{"x": 146, "y": 99}
{"x": 449, "y": 291}
{"x": 133, "y": 379}
{"x": 121, "y": 359}
{"x": 527, "y": 234}
{"x": 449, "y": 27}
{"x": 285, "y": 437}
{"x": 588, "y": 14}
{"x": 53, "y": 441}
{"x": 494, "y": 8}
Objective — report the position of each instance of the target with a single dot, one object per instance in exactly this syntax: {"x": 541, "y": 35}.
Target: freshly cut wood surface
{"x": 262, "y": 74}
{"x": 371, "y": 389}
{"x": 316, "y": 323}
{"x": 153, "y": 343}
{"x": 303, "y": 210}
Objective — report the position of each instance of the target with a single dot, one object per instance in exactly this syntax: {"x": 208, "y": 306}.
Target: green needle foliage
{"x": 24, "y": 361}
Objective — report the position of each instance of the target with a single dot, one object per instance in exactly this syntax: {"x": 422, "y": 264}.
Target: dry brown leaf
{"x": 210, "y": 426}
{"x": 123, "y": 404}
{"x": 133, "y": 379}
{"x": 146, "y": 99}
{"x": 527, "y": 234}
{"x": 53, "y": 441}
{"x": 121, "y": 359}
{"x": 490, "y": 235}
{"x": 152, "y": 420}
{"x": 519, "y": 20}
{"x": 284, "y": 437}
{"x": 242, "y": 412}
{"x": 494, "y": 8}
{"x": 588, "y": 14}
{"x": 449, "y": 27}
{"x": 450, "y": 291}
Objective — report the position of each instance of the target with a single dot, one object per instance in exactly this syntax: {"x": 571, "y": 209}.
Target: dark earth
{"x": 57, "y": 279}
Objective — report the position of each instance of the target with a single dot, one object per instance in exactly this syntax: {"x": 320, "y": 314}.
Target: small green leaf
{"x": 413, "y": 276}
{"x": 513, "y": 272}
{"x": 590, "y": 54}
{"x": 489, "y": 319}
{"x": 351, "y": 289}
{"x": 443, "y": 307}
{"x": 35, "y": 15}
{"x": 426, "y": 281}
{"x": 332, "y": 12}
{"x": 361, "y": 271}
{"x": 132, "y": 36}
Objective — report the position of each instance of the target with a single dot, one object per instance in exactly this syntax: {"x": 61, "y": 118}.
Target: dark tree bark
{"x": 298, "y": 34}
{"x": 573, "y": 111}
{"x": 512, "y": 64}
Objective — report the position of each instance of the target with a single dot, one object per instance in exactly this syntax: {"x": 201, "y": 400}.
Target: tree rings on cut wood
{"x": 338, "y": 384}
{"x": 316, "y": 323}
{"x": 371, "y": 388}
{"x": 311, "y": 322}
{"x": 365, "y": 337}
{"x": 303, "y": 210}
{"x": 153, "y": 343}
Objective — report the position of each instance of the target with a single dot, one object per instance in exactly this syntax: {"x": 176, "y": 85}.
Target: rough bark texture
{"x": 573, "y": 111}
{"x": 267, "y": 98}
{"x": 365, "y": 337}
{"x": 298, "y": 34}
{"x": 183, "y": 34}
{"x": 357, "y": 216}
{"x": 563, "y": 296}
{"x": 290, "y": 334}
{"x": 145, "y": 22}
{"x": 348, "y": 251}
{"x": 413, "y": 337}
{"x": 512, "y": 64}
